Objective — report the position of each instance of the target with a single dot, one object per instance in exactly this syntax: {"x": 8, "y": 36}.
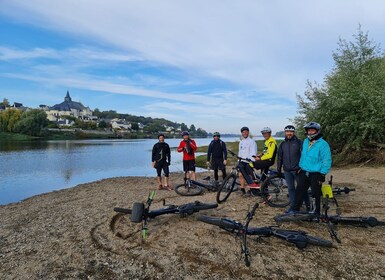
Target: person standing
{"x": 188, "y": 147}
{"x": 289, "y": 153}
{"x": 247, "y": 150}
{"x": 315, "y": 163}
{"x": 217, "y": 153}
{"x": 161, "y": 159}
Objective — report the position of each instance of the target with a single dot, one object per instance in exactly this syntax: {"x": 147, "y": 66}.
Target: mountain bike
{"x": 193, "y": 187}
{"x": 300, "y": 238}
{"x": 274, "y": 190}
{"x": 329, "y": 203}
{"x": 140, "y": 213}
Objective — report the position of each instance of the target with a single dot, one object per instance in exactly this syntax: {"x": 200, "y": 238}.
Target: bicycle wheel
{"x": 313, "y": 240}
{"x": 226, "y": 188}
{"x": 123, "y": 210}
{"x": 137, "y": 212}
{"x": 275, "y": 192}
{"x": 220, "y": 222}
{"x": 186, "y": 190}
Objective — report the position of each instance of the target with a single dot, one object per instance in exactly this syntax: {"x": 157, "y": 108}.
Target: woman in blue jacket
{"x": 315, "y": 163}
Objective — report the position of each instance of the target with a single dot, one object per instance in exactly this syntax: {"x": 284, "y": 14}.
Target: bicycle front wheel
{"x": 275, "y": 191}
{"x": 226, "y": 188}
{"x": 188, "y": 189}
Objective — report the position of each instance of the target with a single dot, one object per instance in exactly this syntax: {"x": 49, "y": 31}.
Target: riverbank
{"x": 75, "y": 234}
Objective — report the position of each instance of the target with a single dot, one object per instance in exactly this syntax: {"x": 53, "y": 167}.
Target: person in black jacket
{"x": 289, "y": 154}
{"x": 161, "y": 159}
{"x": 217, "y": 152}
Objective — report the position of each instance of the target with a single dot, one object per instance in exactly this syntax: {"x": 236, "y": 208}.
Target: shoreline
{"x": 74, "y": 233}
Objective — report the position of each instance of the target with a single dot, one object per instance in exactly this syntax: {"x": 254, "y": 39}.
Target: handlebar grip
{"x": 256, "y": 205}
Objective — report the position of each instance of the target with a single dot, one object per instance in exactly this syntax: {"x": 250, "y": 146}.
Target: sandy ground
{"x": 75, "y": 234}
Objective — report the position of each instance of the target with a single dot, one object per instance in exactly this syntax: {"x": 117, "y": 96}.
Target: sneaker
{"x": 160, "y": 187}
{"x": 169, "y": 188}
{"x": 247, "y": 194}
{"x": 254, "y": 186}
{"x": 254, "y": 192}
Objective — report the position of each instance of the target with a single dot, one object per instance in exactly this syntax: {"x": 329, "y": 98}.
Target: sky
{"x": 218, "y": 64}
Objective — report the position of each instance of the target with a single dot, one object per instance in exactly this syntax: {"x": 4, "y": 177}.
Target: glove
{"x": 321, "y": 177}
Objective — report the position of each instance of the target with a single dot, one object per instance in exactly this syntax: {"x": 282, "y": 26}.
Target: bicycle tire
{"x": 226, "y": 188}
{"x": 122, "y": 210}
{"x": 275, "y": 192}
{"x": 137, "y": 212}
{"x": 314, "y": 240}
{"x": 220, "y": 222}
{"x": 184, "y": 190}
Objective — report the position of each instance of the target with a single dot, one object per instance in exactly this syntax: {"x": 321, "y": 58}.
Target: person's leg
{"x": 301, "y": 190}
{"x": 192, "y": 168}
{"x": 159, "y": 176}
{"x": 316, "y": 191}
{"x": 166, "y": 176}
{"x": 224, "y": 172}
{"x": 289, "y": 177}
{"x": 215, "y": 167}
{"x": 245, "y": 171}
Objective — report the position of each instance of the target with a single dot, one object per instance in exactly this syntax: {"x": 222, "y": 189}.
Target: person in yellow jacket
{"x": 267, "y": 158}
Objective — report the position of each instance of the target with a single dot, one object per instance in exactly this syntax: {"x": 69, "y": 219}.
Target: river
{"x": 35, "y": 167}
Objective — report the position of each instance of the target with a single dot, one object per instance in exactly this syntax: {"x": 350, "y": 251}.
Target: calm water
{"x": 31, "y": 168}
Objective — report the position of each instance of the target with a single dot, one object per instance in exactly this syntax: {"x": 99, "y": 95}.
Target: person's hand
{"x": 225, "y": 162}
{"x": 153, "y": 164}
{"x": 321, "y": 177}
{"x": 208, "y": 163}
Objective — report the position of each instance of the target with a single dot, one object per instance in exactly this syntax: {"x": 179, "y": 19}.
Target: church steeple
{"x": 68, "y": 97}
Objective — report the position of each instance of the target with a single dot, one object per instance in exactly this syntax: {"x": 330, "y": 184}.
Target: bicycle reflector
{"x": 327, "y": 191}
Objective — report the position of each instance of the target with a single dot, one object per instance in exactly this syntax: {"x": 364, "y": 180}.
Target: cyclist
{"x": 188, "y": 147}
{"x": 161, "y": 159}
{"x": 315, "y": 163}
{"x": 289, "y": 153}
{"x": 217, "y": 152}
{"x": 247, "y": 150}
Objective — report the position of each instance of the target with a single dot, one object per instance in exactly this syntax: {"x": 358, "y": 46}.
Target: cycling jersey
{"x": 247, "y": 148}
{"x": 186, "y": 155}
{"x": 269, "y": 149}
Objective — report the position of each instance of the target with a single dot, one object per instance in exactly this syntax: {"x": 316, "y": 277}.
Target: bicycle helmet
{"x": 244, "y": 128}
{"x": 185, "y": 133}
{"x": 266, "y": 130}
{"x": 312, "y": 125}
{"x": 216, "y": 134}
{"x": 289, "y": 128}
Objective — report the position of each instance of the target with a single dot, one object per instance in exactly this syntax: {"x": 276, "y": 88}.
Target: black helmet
{"x": 244, "y": 128}
{"x": 185, "y": 133}
{"x": 216, "y": 134}
{"x": 312, "y": 125}
{"x": 290, "y": 128}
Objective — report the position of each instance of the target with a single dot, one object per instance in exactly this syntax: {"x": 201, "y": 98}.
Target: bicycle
{"x": 192, "y": 187}
{"x": 140, "y": 213}
{"x": 330, "y": 202}
{"x": 273, "y": 191}
{"x": 300, "y": 238}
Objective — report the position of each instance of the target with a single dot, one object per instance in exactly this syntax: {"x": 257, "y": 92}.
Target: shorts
{"x": 189, "y": 165}
{"x": 159, "y": 166}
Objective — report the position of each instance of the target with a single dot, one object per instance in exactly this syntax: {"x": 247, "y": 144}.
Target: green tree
{"x": 5, "y": 102}
{"x": 135, "y": 126}
{"x": 32, "y": 122}
{"x": 350, "y": 105}
{"x": 9, "y": 119}
{"x": 102, "y": 124}
{"x": 183, "y": 127}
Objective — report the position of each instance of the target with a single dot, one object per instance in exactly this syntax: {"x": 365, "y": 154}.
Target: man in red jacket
{"x": 188, "y": 147}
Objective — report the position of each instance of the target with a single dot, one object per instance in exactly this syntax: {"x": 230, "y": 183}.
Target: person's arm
{"x": 209, "y": 151}
{"x": 193, "y": 145}
{"x": 153, "y": 159}
{"x": 253, "y": 150}
{"x": 168, "y": 154}
{"x": 326, "y": 158}
{"x": 224, "y": 151}
{"x": 181, "y": 146}
{"x": 280, "y": 159}
{"x": 271, "y": 146}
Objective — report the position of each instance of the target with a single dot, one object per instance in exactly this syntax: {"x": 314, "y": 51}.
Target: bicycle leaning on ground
{"x": 140, "y": 213}
{"x": 274, "y": 190}
{"x": 330, "y": 203}
{"x": 300, "y": 238}
{"x": 192, "y": 187}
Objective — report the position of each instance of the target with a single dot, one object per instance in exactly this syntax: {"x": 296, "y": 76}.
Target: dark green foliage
{"x": 33, "y": 122}
{"x": 350, "y": 105}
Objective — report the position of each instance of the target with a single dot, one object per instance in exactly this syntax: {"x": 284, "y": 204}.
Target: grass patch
{"x": 4, "y": 136}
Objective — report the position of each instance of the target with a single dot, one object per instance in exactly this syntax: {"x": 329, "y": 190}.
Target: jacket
{"x": 289, "y": 154}
{"x": 193, "y": 146}
{"x": 217, "y": 149}
{"x": 161, "y": 152}
{"x": 317, "y": 157}
{"x": 247, "y": 148}
{"x": 269, "y": 149}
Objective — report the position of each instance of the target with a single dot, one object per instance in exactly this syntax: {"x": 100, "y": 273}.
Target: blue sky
{"x": 218, "y": 64}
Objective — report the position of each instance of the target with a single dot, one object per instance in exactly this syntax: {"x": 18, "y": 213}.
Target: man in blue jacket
{"x": 217, "y": 152}
{"x": 289, "y": 153}
{"x": 315, "y": 163}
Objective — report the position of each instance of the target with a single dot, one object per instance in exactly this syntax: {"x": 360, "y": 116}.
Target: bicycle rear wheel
{"x": 275, "y": 192}
{"x": 226, "y": 188}
{"x": 188, "y": 189}
{"x": 220, "y": 222}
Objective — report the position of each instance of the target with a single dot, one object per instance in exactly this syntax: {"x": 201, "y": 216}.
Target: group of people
{"x": 303, "y": 164}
